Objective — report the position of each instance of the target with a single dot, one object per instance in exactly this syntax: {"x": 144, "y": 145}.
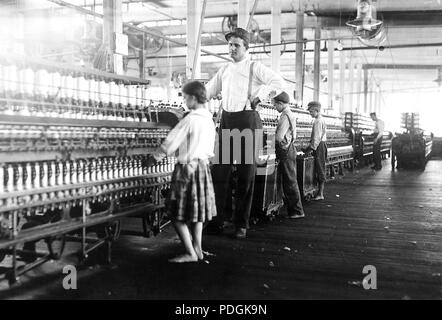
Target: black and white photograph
{"x": 219, "y": 158}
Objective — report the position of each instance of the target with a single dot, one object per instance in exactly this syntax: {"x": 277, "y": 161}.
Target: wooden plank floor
{"x": 391, "y": 220}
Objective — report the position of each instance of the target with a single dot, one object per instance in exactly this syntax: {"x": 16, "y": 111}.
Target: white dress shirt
{"x": 232, "y": 81}
{"x": 192, "y": 138}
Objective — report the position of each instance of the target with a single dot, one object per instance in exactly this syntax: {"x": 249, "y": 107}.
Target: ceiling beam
{"x": 318, "y": 7}
{"x": 402, "y": 66}
{"x": 288, "y": 21}
{"x": 437, "y": 44}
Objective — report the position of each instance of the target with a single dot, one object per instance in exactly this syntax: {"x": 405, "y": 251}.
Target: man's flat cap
{"x": 239, "y": 33}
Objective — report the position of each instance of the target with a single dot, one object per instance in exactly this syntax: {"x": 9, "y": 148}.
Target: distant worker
{"x": 286, "y": 154}
{"x": 318, "y": 146}
{"x": 377, "y": 142}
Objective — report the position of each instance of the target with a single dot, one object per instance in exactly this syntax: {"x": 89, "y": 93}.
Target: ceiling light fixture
{"x": 366, "y": 27}
{"x": 364, "y": 19}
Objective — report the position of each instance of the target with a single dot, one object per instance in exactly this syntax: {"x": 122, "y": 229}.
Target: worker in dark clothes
{"x": 243, "y": 83}
{"x": 286, "y": 155}
{"x": 318, "y": 146}
{"x": 377, "y": 141}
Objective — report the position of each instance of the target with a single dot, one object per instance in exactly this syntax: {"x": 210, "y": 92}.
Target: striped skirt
{"x": 192, "y": 198}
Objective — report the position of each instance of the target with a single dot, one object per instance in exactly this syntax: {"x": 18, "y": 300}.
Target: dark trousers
{"x": 289, "y": 182}
{"x": 320, "y": 155}
{"x": 221, "y": 173}
{"x": 377, "y": 159}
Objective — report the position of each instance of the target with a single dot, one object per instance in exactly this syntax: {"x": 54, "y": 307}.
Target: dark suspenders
{"x": 292, "y": 130}
{"x": 249, "y": 90}
{"x": 291, "y": 126}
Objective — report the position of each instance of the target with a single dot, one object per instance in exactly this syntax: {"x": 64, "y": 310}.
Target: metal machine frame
{"x": 75, "y": 211}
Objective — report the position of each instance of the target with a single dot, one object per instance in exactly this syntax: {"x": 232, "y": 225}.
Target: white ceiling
{"x": 407, "y": 22}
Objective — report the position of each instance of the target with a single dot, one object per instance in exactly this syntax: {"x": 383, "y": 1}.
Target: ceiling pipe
{"x": 252, "y": 13}
{"x": 198, "y": 41}
{"x": 401, "y": 66}
{"x": 436, "y": 44}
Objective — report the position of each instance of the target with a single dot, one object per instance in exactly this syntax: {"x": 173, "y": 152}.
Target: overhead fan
{"x": 178, "y": 79}
{"x": 152, "y": 44}
{"x": 366, "y": 27}
{"x": 91, "y": 38}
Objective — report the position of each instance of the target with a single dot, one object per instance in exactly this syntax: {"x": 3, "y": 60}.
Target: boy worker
{"x": 286, "y": 154}
{"x": 318, "y": 145}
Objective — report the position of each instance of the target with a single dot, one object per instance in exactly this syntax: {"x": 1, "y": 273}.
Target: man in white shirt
{"x": 377, "y": 142}
{"x": 243, "y": 84}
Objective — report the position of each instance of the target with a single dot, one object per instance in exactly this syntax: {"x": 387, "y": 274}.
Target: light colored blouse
{"x": 192, "y": 138}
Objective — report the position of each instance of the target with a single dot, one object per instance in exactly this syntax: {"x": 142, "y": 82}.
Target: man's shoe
{"x": 378, "y": 168}
{"x": 296, "y": 216}
{"x": 241, "y": 233}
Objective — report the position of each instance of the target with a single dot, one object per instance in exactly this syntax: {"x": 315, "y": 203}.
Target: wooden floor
{"x": 390, "y": 220}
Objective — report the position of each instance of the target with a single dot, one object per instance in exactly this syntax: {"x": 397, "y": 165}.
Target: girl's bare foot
{"x": 199, "y": 253}
{"x": 184, "y": 258}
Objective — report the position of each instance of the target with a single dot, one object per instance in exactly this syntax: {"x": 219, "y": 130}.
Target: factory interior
{"x": 94, "y": 93}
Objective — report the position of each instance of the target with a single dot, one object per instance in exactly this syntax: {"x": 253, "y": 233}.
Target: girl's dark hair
{"x": 196, "y": 89}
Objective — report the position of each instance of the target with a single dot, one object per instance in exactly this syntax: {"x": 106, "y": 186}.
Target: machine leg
{"x": 12, "y": 275}
{"x": 109, "y": 252}
{"x": 331, "y": 171}
{"x": 145, "y": 226}
{"x": 393, "y": 161}
{"x": 83, "y": 252}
